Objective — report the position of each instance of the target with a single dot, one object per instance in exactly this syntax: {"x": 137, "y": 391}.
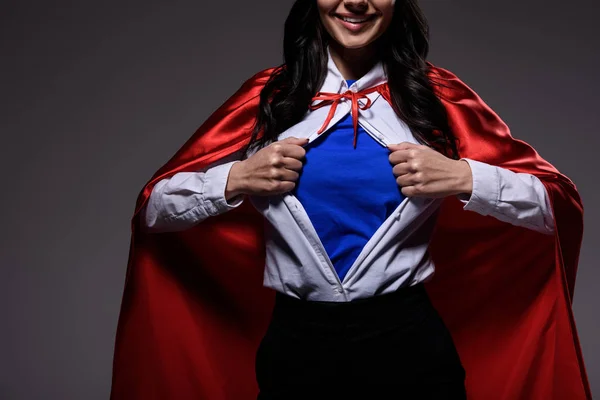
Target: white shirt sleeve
{"x": 187, "y": 198}
{"x": 517, "y": 198}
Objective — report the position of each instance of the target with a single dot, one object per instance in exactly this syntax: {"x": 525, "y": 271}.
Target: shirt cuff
{"x": 485, "y": 195}
{"x": 215, "y": 183}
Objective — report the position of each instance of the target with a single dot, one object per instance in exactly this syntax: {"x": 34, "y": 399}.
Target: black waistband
{"x": 404, "y": 306}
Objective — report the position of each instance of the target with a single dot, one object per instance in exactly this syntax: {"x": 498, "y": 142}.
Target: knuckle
{"x": 286, "y": 187}
{"x": 274, "y": 173}
{"x": 273, "y": 186}
{"x": 276, "y": 159}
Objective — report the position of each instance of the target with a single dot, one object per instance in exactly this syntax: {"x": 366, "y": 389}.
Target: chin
{"x": 354, "y": 43}
{"x": 356, "y": 40}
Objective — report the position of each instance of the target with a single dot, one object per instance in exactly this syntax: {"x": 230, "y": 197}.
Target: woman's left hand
{"x": 424, "y": 172}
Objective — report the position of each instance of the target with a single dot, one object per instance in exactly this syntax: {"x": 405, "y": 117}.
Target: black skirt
{"x": 392, "y": 346}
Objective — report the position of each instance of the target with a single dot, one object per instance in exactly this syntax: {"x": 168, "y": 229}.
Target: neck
{"x": 353, "y": 63}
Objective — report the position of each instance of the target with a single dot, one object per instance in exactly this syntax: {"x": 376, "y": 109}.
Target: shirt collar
{"x": 335, "y": 83}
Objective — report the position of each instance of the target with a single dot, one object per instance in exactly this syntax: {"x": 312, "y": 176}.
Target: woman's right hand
{"x": 271, "y": 170}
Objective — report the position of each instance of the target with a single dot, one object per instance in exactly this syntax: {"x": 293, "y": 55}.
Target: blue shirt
{"x": 345, "y": 218}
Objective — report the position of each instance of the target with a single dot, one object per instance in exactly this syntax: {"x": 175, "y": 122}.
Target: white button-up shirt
{"x": 395, "y": 256}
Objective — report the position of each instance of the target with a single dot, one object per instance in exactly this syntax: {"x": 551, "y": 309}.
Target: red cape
{"x": 194, "y": 308}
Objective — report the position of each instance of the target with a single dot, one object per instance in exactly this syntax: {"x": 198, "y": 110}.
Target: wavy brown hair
{"x": 402, "y": 49}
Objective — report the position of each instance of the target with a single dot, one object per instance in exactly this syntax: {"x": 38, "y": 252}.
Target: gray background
{"x": 96, "y": 96}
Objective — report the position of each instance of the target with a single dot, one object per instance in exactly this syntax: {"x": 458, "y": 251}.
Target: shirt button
{"x": 353, "y": 89}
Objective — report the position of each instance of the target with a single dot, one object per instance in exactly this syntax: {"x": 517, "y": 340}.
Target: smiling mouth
{"x": 356, "y": 20}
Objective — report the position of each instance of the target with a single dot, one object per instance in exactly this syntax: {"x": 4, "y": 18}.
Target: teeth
{"x": 354, "y": 20}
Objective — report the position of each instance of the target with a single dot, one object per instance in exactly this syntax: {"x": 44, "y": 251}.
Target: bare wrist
{"x": 235, "y": 181}
{"x": 465, "y": 180}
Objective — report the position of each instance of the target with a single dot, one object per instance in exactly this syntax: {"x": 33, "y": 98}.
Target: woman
{"x": 352, "y": 152}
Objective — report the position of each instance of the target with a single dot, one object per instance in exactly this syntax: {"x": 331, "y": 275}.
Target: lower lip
{"x": 354, "y": 27}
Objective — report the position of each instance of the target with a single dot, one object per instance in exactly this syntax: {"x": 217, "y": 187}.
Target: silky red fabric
{"x": 194, "y": 308}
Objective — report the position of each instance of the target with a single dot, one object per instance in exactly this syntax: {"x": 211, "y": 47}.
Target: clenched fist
{"x": 273, "y": 169}
{"x": 422, "y": 171}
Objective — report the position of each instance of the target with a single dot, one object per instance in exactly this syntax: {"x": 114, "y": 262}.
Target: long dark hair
{"x": 403, "y": 50}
